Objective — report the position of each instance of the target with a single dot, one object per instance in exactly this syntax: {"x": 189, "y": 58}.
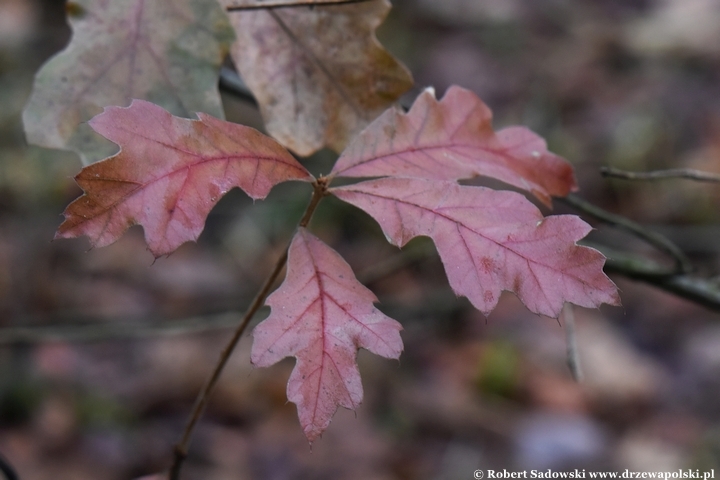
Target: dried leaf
{"x": 452, "y": 139}
{"x": 490, "y": 241}
{"x": 169, "y": 174}
{"x": 322, "y": 315}
{"x": 319, "y": 73}
{"x": 165, "y": 52}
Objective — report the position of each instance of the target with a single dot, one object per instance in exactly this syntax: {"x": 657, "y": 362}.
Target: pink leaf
{"x": 490, "y": 241}
{"x": 452, "y": 139}
{"x": 321, "y": 315}
{"x": 169, "y": 174}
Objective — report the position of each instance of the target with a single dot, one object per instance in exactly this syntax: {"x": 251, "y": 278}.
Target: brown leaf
{"x": 319, "y": 73}
{"x": 166, "y": 52}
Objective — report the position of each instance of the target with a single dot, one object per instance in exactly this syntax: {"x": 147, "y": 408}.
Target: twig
{"x": 703, "y": 291}
{"x": 231, "y": 82}
{"x": 573, "y": 356}
{"x": 682, "y": 263}
{"x": 394, "y": 264}
{"x": 111, "y": 330}
{"x": 181, "y": 449}
{"x": 686, "y": 173}
{"x": 7, "y": 469}
{"x": 271, "y": 4}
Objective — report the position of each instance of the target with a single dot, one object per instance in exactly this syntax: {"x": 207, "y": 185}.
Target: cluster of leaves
{"x": 321, "y": 79}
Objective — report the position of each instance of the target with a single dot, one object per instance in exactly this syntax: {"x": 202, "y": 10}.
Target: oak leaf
{"x": 167, "y": 52}
{"x": 169, "y": 174}
{"x": 490, "y": 241}
{"x": 322, "y": 315}
{"x": 318, "y": 73}
{"x": 452, "y": 139}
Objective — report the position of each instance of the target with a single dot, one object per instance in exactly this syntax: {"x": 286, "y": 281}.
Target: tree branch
{"x": 7, "y": 469}
{"x": 685, "y": 173}
{"x": 662, "y": 243}
{"x": 573, "y": 355}
{"x": 272, "y": 4}
{"x": 100, "y": 331}
{"x": 703, "y": 291}
{"x": 231, "y": 82}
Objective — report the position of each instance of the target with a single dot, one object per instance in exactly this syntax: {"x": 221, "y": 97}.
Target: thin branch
{"x": 7, "y": 469}
{"x": 682, "y": 263}
{"x": 231, "y": 82}
{"x": 181, "y": 449}
{"x": 573, "y": 355}
{"x": 394, "y": 264}
{"x": 272, "y": 4}
{"x": 101, "y": 331}
{"x": 686, "y": 173}
{"x": 703, "y": 291}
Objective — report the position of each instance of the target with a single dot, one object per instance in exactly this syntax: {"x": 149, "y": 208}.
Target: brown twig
{"x": 271, "y": 4}
{"x": 231, "y": 82}
{"x": 682, "y": 263}
{"x": 686, "y": 173}
{"x": 573, "y": 354}
{"x": 103, "y": 329}
{"x": 7, "y": 469}
{"x": 181, "y": 449}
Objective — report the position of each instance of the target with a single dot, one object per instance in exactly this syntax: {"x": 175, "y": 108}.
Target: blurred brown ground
{"x": 633, "y": 84}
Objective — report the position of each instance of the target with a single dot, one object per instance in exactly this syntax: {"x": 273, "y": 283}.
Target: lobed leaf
{"x": 322, "y": 315}
{"x": 319, "y": 73}
{"x": 490, "y": 241}
{"x": 167, "y": 52}
{"x": 453, "y": 139}
{"x": 169, "y": 174}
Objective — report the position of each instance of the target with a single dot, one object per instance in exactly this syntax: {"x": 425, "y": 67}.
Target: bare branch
{"x": 685, "y": 173}
{"x": 703, "y": 291}
{"x": 573, "y": 355}
{"x": 662, "y": 243}
{"x": 272, "y": 4}
{"x": 95, "y": 332}
{"x": 231, "y": 82}
{"x": 7, "y": 469}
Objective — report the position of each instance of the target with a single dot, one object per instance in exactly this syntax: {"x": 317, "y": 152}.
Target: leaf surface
{"x": 169, "y": 174}
{"x": 322, "y": 315}
{"x": 167, "y": 52}
{"x": 453, "y": 139}
{"x": 319, "y": 73}
{"x": 490, "y": 241}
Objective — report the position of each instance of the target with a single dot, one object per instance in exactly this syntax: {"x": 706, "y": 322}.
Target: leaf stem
{"x": 270, "y": 4}
{"x": 180, "y": 451}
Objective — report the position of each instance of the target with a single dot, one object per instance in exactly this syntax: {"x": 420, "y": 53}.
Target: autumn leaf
{"x": 319, "y": 73}
{"x": 453, "y": 139}
{"x": 165, "y": 52}
{"x": 322, "y": 315}
{"x": 490, "y": 241}
{"x": 169, "y": 174}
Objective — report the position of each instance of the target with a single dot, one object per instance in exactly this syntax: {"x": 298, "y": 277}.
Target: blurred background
{"x": 102, "y": 352}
